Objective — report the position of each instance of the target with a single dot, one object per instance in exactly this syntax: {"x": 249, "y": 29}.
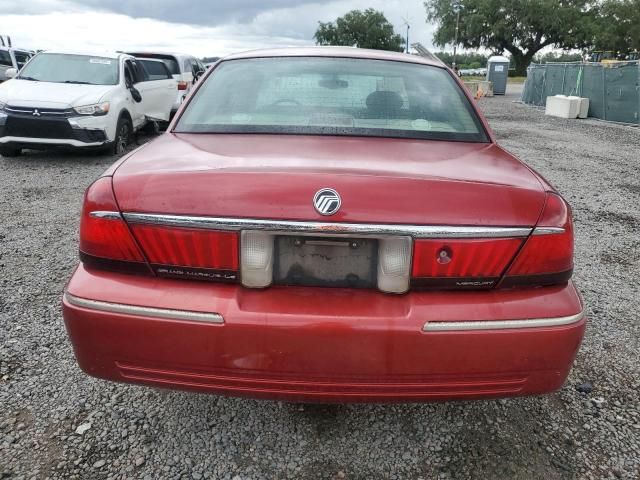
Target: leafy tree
{"x": 618, "y": 26}
{"x": 368, "y": 29}
{"x": 520, "y": 27}
{"x": 558, "y": 57}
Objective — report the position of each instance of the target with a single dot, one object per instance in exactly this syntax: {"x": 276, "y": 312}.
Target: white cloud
{"x": 68, "y": 26}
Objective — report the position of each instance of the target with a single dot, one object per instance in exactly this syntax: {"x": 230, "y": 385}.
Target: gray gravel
{"x": 56, "y": 422}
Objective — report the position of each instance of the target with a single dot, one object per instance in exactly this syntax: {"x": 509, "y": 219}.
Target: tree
{"x": 520, "y": 27}
{"x": 558, "y": 57}
{"x": 368, "y": 29}
{"x": 618, "y": 28}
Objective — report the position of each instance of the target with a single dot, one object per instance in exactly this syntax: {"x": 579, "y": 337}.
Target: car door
{"x": 5, "y": 63}
{"x": 158, "y": 88}
{"x": 187, "y": 72}
{"x": 132, "y": 80}
{"x": 198, "y": 69}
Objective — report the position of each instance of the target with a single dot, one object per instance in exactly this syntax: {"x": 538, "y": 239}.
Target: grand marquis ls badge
{"x": 327, "y": 201}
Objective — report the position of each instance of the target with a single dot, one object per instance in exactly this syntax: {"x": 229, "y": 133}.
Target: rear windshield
{"x": 63, "y": 68}
{"x": 332, "y": 96}
{"x": 21, "y": 58}
{"x": 155, "y": 70}
{"x": 169, "y": 60}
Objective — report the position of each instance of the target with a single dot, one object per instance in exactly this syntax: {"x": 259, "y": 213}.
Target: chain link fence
{"x": 613, "y": 89}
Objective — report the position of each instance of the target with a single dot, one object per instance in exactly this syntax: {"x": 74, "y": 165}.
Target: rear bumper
{"x": 319, "y": 345}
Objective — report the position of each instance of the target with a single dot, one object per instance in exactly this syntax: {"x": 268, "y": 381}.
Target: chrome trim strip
{"x": 286, "y": 226}
{"x": 143, "y": 311}
{"x": 41, "y": 112}
{"x": 547, "y": 230}
{"x": 106, "y": 215}
{"x": 501, "y": 324}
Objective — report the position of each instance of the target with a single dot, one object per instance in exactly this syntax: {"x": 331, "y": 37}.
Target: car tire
{"x": 7, "y": 151}
{"x": 124, "y": 132}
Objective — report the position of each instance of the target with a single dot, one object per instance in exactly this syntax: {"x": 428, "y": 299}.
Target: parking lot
{"x": 588, "y": 430}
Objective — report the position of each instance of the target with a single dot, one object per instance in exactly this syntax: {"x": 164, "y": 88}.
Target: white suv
{"x": 186, "y": 69}
{"x": 82, "y": 100}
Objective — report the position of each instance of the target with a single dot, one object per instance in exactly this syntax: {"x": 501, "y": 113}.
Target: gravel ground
{"x": 55, "y": 422}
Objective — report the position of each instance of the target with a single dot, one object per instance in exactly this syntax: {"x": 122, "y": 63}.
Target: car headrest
{"x": 382, "y": 100}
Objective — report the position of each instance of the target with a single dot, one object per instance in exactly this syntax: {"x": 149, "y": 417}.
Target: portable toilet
{"x": 497, "y": 73}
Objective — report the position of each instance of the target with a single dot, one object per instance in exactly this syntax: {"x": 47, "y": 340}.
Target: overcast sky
{"x": 199, "y": 27}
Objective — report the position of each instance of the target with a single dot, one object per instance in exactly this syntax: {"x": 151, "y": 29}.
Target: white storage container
{"x": 583, "y": 106}
{"x": 563, "y": 106}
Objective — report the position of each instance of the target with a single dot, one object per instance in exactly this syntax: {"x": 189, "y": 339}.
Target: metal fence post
{"x": 544, "y": 85}
{"x": 604, "y": 94}
{"x": 638, "y": 92}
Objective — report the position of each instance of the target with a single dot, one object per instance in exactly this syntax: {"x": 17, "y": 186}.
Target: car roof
{"x": 159, "y": 52}
{"x": 147, "y": 59}
{"x": 342, "y": 52}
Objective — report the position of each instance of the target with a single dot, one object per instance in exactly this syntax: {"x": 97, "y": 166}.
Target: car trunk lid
{"x": 380, "y": 180}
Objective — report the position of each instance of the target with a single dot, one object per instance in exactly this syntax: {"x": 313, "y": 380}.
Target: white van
{"x": 82, "y": 100}
{"x": 186, "y": 69}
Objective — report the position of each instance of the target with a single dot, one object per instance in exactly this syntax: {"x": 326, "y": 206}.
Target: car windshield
{"x": 64, "y": 68}
{"x": 332, "y": 96}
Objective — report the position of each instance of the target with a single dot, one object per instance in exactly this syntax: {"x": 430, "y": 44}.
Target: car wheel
{"x": 7, "y": 151}
{"x": 124, "y": 130}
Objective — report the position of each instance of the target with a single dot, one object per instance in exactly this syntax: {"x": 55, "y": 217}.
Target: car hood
{"x": 27, "y": 93}
{"x": 380, "y": 180}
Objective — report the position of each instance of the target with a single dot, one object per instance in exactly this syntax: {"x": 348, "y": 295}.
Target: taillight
{"x": 464, "y": 263}
{"x": 547, "y": 255}
{"x": 108, "y": 242}
{"x": 188, "y": 247}
{"x": 104, "y": 236}
{"x": 182, "y": 85}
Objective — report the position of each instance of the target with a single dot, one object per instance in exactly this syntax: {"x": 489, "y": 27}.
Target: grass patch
{"x": 475, "y": 78}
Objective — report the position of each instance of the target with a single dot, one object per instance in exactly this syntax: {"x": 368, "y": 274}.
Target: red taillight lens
{"x": 187, "y": 247}
{"x": 462, "y": 263}
{"x": 182, "y": 85}
{"x": 103, "y": 232}
{"x": 547, "y": 255}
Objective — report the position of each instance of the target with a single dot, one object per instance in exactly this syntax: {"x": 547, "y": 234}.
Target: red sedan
{"x": 326, "y": 225}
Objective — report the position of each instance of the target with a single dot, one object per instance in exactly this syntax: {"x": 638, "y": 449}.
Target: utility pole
{"x": 406, "y": 22}
{"x": 456, "y": 8}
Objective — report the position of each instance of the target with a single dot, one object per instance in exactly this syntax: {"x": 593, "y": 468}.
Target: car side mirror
{"x": 10, "y": 72}
{"x": 135, "y": 94}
